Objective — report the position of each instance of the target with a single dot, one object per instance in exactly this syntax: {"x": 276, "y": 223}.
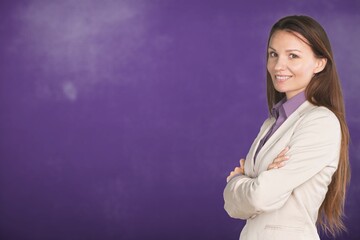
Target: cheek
{"x": 309, "y": 73}
{"x": 303, "y": 69}
{"x": 270, "y": 66}
{"x": 297, "y": 67}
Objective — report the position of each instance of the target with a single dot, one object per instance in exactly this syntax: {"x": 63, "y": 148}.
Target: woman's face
{"x": 291, "y": 62}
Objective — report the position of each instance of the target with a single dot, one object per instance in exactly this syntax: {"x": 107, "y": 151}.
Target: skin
{"x": 278, "y": 162}
{"x": 291, "y": 64}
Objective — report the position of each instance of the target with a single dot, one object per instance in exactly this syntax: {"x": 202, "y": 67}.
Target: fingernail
{"x": 281, "y": 164}
{"x": 287, "y": 157}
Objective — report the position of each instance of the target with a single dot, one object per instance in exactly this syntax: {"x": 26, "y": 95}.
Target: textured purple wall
{"x": 122, "y": 119}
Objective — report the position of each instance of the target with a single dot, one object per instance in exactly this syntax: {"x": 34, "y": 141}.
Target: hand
{"x": 237, "y": 170}
{"x": 280, "y": 160}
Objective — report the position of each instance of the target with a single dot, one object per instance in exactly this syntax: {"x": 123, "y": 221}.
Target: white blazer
{"x": 283, "y": 204}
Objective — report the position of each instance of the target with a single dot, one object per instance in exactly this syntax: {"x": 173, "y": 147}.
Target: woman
{"x": 296, "y": 172}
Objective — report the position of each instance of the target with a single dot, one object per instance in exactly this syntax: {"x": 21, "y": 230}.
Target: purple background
{"x": 122, "y": 119}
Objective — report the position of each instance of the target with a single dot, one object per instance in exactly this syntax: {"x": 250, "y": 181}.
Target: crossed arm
{"x": 278, "y": 162}
{"x": 314, "y": 146}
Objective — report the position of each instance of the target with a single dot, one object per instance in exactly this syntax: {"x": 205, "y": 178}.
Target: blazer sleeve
{"x": 314, "y": 145}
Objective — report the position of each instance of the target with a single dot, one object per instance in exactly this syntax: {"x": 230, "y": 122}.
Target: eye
{"x": 292, "y": 55}
{"x": 272, "y": 54}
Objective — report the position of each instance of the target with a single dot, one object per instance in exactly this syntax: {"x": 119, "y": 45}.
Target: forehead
{"x": 282, "y": 38}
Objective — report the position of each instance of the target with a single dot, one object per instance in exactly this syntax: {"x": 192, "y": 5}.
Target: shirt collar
{"x": 287, "y": 107}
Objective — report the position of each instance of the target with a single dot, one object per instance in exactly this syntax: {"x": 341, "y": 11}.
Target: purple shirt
{"x": 281, "y": 111}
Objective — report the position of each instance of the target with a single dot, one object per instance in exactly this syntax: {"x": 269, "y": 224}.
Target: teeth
{"x": 282, "y": 77}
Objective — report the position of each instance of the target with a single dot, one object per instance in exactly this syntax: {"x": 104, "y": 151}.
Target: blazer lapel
{"x": 279, "y": 132}
{"x": 265, "y": 128}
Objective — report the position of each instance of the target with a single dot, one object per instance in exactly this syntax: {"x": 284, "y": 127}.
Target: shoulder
{"x": 319, "y": 117}
{"x": 315, "y": 112}
{"x": 268, "y": 122}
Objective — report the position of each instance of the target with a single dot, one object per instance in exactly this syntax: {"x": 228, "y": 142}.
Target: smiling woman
{"x": 292, "y": 63}
{"x": 297, "y": 170}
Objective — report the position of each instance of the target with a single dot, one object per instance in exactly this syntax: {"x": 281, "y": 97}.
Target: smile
{"x": 282, "y": 77}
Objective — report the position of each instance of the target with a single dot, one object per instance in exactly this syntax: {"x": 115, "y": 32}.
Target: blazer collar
{"x": 303, "y": 108}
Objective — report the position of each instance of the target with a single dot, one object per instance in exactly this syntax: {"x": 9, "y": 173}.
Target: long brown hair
{"x": 323, "y": 90}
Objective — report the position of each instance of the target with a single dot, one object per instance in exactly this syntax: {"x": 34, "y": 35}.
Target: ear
{"x": 320, "y": 65}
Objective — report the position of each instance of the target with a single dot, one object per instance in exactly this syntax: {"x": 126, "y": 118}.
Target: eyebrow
{"x": 288, "y": 50}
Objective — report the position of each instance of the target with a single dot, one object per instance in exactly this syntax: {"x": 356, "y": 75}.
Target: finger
{"x": 227, "y": 179}
{"x": 230, "y": 175}
{"x": 242, "y": 163}
{"x": 277, "y": 165}
{"x": 280, "y": 159}
{"x": 238, "y": 170}
{"x": 272, "y": 166}
{"x": 233, "y": 173}
{"x": 282, "y": 153}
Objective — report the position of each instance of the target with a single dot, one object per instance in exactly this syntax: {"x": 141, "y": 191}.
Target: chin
{"x": 280, "y": 90}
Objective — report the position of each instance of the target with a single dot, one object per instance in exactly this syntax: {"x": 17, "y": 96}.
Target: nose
{"x": 280, "y": 64}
